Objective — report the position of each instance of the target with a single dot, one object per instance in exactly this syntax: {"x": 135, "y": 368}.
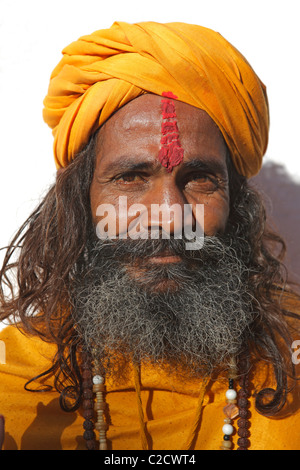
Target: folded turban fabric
{"x": 103, "y": 71}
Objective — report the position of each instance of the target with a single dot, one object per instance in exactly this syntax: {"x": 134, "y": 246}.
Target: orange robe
{"x": 35, "y": 421}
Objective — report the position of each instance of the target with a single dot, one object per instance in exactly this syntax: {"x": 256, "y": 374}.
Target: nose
{"x": 165, "y": 210}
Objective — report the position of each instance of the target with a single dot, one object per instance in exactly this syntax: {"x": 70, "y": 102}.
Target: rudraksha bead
{"x": 88, "y": 414}
{"x": 243, "y": 393}
{"x": 91, "y": 444}
{"x": 89, "y": 435}
{"x": 88, "y": 425}
{"x": 242, "y": 403}
{"x": 86, "y": 374}
{"x": 87, "y": 394}
{"x": 87, "y": 384}
{"x": 87, "y": 403}
{"x": 243, "y": 432}
{"x": 244, "y": 413}
{"x": 243, "y": 442}
{"x": 243, "y": 423}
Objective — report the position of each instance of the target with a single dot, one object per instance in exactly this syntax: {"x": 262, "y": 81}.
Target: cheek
{"x": 113, "y": 215}
{"x": 215, "y": 218}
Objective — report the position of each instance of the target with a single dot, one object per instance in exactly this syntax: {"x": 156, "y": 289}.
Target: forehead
{"x": 135, "y": 130}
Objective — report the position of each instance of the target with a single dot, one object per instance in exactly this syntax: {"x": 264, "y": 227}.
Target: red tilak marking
{"x": 169, "y": 127}
{"x": 168, "y": 138}
{"x": 168, "y": 109}
{"x": 169, "y": 94}
{"x": 171, "y": 152}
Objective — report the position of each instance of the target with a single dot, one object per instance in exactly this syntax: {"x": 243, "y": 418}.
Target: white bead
{"x": 227, "y": 429}
{"x": 231, "y": 394}
{"x": 97, "y": 379}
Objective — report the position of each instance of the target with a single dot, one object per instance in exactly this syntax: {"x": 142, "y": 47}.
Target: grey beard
{"x": 195, "y": 326}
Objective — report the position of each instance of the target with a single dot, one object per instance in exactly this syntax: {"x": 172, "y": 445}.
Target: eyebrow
{"x": 210, "y": 164}
{"x": 130, "y": 164}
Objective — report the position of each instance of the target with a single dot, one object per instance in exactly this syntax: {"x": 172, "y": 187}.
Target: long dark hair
{"x": 48, "y": 253}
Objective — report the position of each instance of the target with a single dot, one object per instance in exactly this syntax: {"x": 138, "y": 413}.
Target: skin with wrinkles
{"x": 155, "y": 297}
{"x": 127, "y": 163}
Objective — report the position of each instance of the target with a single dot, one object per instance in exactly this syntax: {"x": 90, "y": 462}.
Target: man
{"x": 126, "y": 332}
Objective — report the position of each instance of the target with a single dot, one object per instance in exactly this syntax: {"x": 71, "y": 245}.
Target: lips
{"x": 165, "y": 257}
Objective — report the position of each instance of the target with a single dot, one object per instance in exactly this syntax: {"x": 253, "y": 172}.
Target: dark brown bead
{"x": 89, "y": 435}
{"x": 241, "y": 448}
{"x": 88, "y": 425}
{"x": 243, "y": 442}
{"x": 244, "y": 381}
{"x": 243, "y": 432}
{"x": 243, "y": 423}
{"x": 91, "y": 445}
{"x": 87, "y": 384}
{"x": 87, "y": 404}
{"x": 243, "y": 393}
{"x": 88, "y": 414}
{"x": 87, "y": 374}
{"x": 87, "y": 394}
{"x": 243, "y": 413}
{"x": 243, "y": 403}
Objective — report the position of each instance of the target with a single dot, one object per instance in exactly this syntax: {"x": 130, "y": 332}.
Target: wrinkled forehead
{"x": 140, "y": 123}
{"x": 148, "y": 109}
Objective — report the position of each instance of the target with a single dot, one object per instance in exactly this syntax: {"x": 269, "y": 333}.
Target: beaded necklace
{"x": 93, "y": 389}
{"x": 237, "y": 406}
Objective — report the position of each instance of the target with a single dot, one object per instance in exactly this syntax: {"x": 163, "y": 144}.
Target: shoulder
{"x": 23, "y": 355}
{"x": 33, "y": 421}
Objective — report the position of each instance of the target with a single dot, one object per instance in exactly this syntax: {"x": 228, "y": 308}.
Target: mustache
{"x": 214, "y": 249}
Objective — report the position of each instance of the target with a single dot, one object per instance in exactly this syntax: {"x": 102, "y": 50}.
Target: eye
{"x": 129, "y": 177}
{"x": 201, "y": 182}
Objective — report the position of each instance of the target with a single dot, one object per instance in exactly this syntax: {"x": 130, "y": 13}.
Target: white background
{"x": 33, "y": 33}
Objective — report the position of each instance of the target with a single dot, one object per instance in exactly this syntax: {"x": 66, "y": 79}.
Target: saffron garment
{"x": 101, "y": 72}
{"x": 35, "y": 421}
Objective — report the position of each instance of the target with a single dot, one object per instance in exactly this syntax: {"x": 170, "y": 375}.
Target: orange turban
{"x": 101, "y": 72}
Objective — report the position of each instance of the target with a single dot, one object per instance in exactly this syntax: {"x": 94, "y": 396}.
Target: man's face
{"x": 127, "y": 165}
{"x": 153, "y": 300}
